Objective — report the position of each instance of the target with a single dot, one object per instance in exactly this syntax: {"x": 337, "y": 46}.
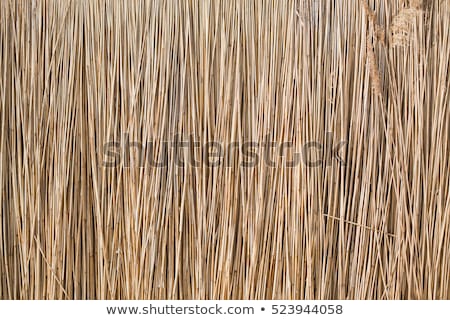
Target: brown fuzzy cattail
{"x": 373, "y": 67}
{"x": 402, "y": 25}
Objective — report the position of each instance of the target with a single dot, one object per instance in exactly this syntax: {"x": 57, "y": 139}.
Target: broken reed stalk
{"x": 76, "y": 74}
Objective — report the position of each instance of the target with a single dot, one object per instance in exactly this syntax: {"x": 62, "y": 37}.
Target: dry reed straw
{"x": 75, "y": 75}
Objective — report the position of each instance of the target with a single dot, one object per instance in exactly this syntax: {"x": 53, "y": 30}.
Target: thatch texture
{"x": 369, "y": 76}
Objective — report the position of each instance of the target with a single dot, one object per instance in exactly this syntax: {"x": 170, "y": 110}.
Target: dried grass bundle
{"x": 370, "y": 223}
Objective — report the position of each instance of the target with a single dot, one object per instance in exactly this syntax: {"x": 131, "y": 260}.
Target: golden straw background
{"x": 77, "y": 74}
